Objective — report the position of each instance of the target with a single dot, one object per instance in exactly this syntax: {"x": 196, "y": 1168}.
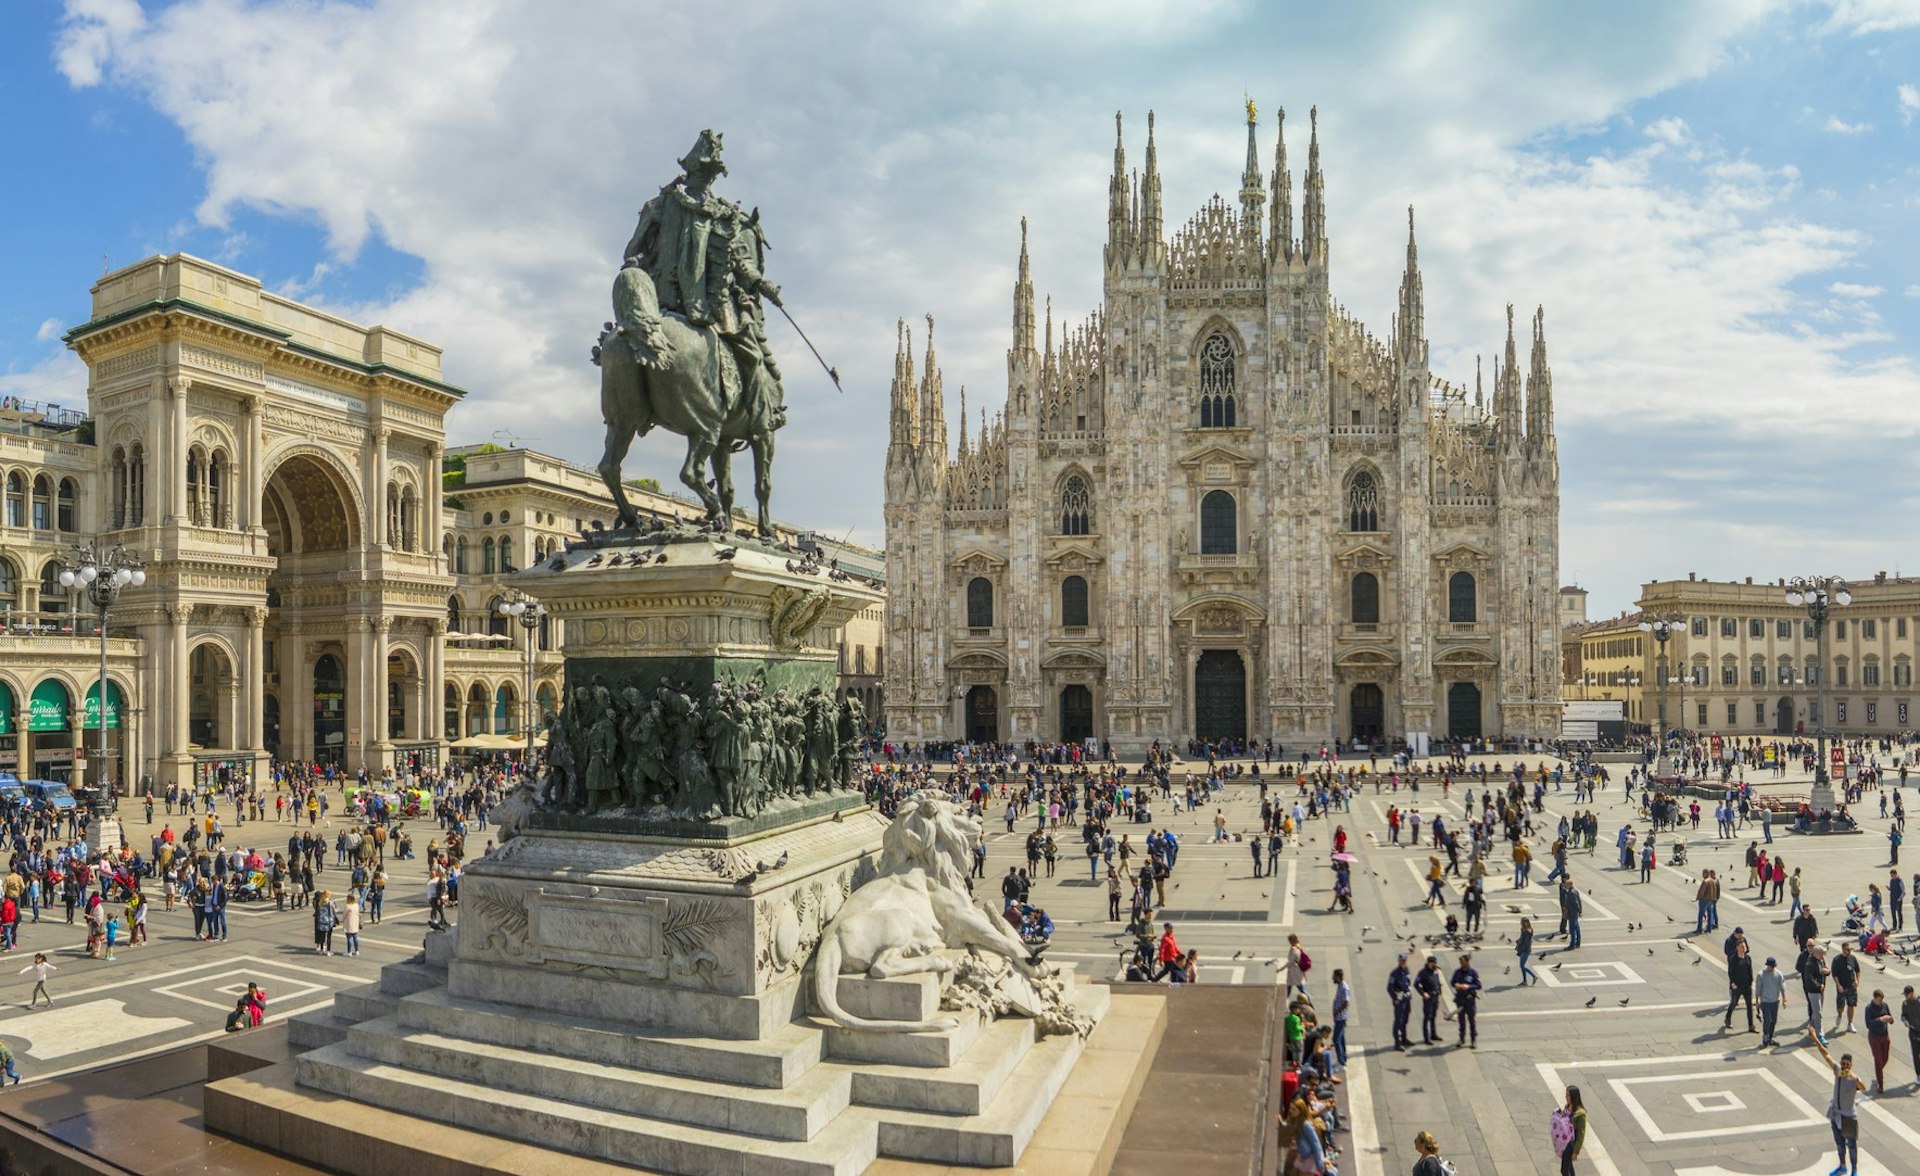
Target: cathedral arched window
{"x": 1363, "y": 502}
{"x": 1463, "y": 598}
{"x": 1364, "y": 599}
{"x": 979, "y": 603}
{"x": 1075, "y": 506}
{"x": 1216, "y": 383}
{"x": 1219, "y": 524}
{"x": 1073, "y": 602}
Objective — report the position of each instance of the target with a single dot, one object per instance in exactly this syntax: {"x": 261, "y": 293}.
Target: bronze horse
{"x": 657, "y": 369}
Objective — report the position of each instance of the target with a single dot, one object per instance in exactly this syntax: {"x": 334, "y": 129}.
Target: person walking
{"x": 1299, "y": 963}
{"x": 1466, "y": 1001}
{"x": 1522, "y": 864}
{"x": 1400, "y": 992}
{"x": 1739, "y": 985}
{"x": 1342, "y": 1008}
{"x": 1812, "y": 966}
{"x": 1427, "y": 1148}
{"x": 1879, "y": 1016}
{"x": 1523, "y": 947}
{"x": 350, "y": 922}
{"x": 40, "y": 968}
{"x": 1841, "y": 1115}
{"x": 1910, "y": 1017}
{"x": 1896, "y": 895}
{"x": 1805, "y": 927}
{"x": 1771, "y": 987}
{"x": 325, "y": 916}
{"x": 1576, "y": 1123}
{"x": 1113, "y": 895}
{"x": 1572, "y": 906}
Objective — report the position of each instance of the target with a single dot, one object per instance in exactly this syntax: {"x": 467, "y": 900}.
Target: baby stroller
{"x": 1856, "y": 921}
{"x": 251, "y": 887}
{"x": 1677, "y": 856}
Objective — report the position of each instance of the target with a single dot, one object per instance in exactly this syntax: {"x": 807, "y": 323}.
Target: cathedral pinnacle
{"x": 1313, "y": 215}
{"x": 1280, "y": 213}
{"x": 1149, "y": 223}
{"x": 1119, "y": 201}
{"x": 1023, "y": 298}
{"x": 1540, "y": 389}
{"x": 1252, "y": 193}
{"x": 1410, "y": 323}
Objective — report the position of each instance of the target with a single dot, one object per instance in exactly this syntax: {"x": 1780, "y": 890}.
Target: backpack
{"x": 1560, "y": 1130}
{"x": 1306, "y": 962}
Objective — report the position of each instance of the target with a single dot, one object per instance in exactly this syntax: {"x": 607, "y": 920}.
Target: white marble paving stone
{"x": 76, "y": 1028}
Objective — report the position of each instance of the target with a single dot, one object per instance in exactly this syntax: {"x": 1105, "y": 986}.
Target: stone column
{"x": 178, "y": 673}
{"x": 78, "y": 776}
{"x": 435, "y": 714}
{"x": 430, "y": 526}
{"x": 380, "y": 740}
{"x": 173, "y": 464}
{"x": 252, "y": 483}
{"x": 377, "y": 489}
{"x": 296, "y": 693}
{"x": 255, "y": 735}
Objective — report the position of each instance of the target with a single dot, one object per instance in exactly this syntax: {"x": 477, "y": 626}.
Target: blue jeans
{"x": 1340, "y": 1040}
{"x": 1700, "y": 916}
{"x": 1525, "y": 971}
{"x": 353, "y": 943}
{"x": 1520, "y": 872}
{"x": 1573, "y": 933}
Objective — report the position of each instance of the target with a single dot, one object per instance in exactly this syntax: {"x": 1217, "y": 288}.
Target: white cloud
{"x": 1835, "y": 126}
{"x": 1873, "y": 16}
{"x": 1909, "y": 102}
{"x": 1912, "y": 291}
{"x": 894, "y": 155}
{"x": 1854, "y": 290}
{"x": 49, "y": 330}
{"x": 1673, "y": 131}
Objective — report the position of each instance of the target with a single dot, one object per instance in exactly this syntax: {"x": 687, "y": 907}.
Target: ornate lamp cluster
{"x": 103, "y": 576}
{"x": 519, "y": 606}
{"x": 1819, "y": 595}
{"x": 1663, "y": 627}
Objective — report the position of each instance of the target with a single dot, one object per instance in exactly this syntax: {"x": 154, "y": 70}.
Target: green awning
{"x": 50, "y": 708}
{"x": 114, "y": 706}
{"x": 6, "y": 709}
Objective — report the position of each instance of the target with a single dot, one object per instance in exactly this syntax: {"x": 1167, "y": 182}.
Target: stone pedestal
{"x": 633, "y": 983}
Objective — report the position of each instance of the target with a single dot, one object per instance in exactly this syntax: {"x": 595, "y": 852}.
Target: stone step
{"x": 845, "y": 1147}
{"x": 777, "y": 1061}
{"x": 363, "y": 1003}
{"x": 996, "y": 1136}
{"x": 315, "y": 1029}
{"x": 619, "y": 998}
{"x": 797, "y": 1112}
{"x": 411, "y": 976}
{"x": 931, "y": 1049}
{"x": 965, "y": 1088}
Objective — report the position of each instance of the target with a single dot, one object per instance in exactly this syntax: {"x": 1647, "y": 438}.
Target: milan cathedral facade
{"x": 1223, "y": 508}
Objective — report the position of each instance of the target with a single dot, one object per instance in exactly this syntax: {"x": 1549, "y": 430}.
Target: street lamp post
{"x": 1819, "y": 595}
{"x": 104, "y": 577}
{"x": 1663, "y": 628}
{"x": 529, "y": 612}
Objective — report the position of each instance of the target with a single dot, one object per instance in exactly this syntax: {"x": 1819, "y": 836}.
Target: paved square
{"x": 1775, "y": 1106}
{"x": 1590, "y": 974}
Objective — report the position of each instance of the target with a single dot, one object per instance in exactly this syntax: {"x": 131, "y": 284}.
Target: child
{"x": 40, "y": 967}
{"x": 113, "y": 932}
{"x": 255, "y": 1001}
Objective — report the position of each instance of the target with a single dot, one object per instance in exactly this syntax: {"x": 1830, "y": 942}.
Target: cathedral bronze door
{"x": 1220, "y": 696}
{"x": 983, "y": 715}
{"x": 1368, "y": 709}
{"x": 1463, "y": 710}
{"x": 1076, "y": 714}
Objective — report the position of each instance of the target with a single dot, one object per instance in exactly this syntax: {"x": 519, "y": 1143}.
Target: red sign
{"x": 1838, "y": 755}
{"x": 1717, "y": 745}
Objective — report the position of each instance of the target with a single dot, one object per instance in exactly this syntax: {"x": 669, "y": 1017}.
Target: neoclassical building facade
{"x": 1222, "y": 506}
{"x": 314, "y": 590}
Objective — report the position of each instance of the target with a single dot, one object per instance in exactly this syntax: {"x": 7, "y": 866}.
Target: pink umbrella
{"x": 1345, "y": 857}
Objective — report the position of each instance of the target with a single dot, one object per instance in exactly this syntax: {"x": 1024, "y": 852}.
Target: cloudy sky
{"x": 1716, "y": 202}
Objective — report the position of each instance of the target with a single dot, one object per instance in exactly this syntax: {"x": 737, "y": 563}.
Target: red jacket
{"x": 1169, "y": 950}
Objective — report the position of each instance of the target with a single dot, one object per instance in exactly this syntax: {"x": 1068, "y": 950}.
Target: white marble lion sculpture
{"x": 899, "y": 922}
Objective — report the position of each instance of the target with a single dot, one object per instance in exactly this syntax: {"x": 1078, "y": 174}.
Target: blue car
{"x": 11, "y": 790}
{"x": 47, "y": 794}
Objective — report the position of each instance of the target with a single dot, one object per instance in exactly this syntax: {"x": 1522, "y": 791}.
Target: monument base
{"x": 646, "y": 1001}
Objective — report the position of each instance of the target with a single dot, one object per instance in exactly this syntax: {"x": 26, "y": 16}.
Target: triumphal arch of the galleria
{"x": 278, "y": 468}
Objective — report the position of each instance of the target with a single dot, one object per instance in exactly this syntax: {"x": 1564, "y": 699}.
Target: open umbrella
{"x": 1345, "y": 857}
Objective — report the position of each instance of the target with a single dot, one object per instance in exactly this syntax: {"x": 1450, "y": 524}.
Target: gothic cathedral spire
{"x": 1119, "y": 203}
{"x": 933, "y": 409}
{"x": 1412, "y": 319}
{"x": 1313, "y": 215}
{"x": 1280, "y": 212}
{"x": 904, "y": 433}
{"x": 1022, "y": 299}
{"x": 1149, "y": 226}
{"x": 1252, "y": 193}
{"x": 1506, "y": 392}
{"x": 1540, "y": 390}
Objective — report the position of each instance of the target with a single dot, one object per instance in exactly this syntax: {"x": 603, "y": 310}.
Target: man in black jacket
{"x": 1805, "y": 927}
{"x": 1812, "y": 966}
{"x": 1739, "y": 984}
{"x": 1428, "y": 985}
